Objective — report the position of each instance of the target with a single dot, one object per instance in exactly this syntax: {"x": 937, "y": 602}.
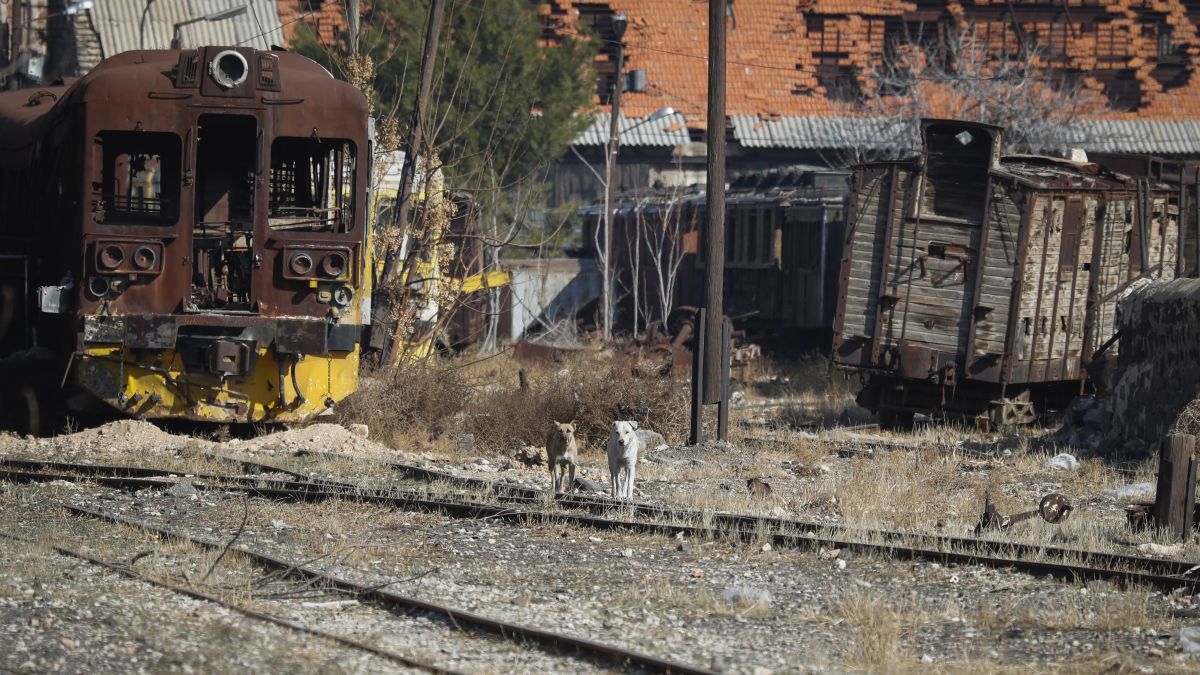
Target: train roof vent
{"x": 188, "y": 73}
{"x": 268, "y": 72}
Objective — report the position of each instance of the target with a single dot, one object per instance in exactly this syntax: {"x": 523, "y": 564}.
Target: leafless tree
{"x": 957, "y": 74}
{"x": 664, "y": 243}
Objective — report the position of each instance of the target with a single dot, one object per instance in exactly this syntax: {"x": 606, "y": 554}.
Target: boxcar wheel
{"x": 31, "y": 400}
{"x": 896, "y": 420}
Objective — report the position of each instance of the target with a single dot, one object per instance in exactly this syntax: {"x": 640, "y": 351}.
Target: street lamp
{"x": 177, "y": 38}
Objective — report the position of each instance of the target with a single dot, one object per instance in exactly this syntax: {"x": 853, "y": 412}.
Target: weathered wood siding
{"x": 1053, "y": 308}
{"x": 999, "y": 261}
{"x": 865, "y": 229}
{"x": 930, "y": 282}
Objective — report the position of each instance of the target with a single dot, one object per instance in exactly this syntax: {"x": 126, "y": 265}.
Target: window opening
{"x": 312, "y": 185}
{"x": 138, "y": 178}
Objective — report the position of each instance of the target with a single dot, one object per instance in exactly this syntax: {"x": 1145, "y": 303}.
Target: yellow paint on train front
{"x": 159, "y": 387}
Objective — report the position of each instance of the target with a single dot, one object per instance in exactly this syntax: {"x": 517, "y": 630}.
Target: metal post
{"x": 697, "y": 382}
{"x": 714, "y": 250}
{"x": 723, "y": 404}
{"x": 415, "y": 140}
{"x": 619, "y": 22}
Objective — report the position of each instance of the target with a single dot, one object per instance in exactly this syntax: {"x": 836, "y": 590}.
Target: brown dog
{"x": 562, "y": 454}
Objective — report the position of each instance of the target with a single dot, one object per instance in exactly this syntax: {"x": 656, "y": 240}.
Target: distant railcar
{"x": 983, "y": 286}
{"x": 184, "y": 236}
{"x": 783, "y": 250}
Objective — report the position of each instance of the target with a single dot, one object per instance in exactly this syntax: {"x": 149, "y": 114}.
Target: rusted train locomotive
{"x": 184, "y": 236}
{"x": 980, "y": 286}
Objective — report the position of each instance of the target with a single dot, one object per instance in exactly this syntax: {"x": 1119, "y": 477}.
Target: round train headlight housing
{"x": 144, "y": 258}
{"x": 300, "y": 264}
{"x": 342, "y": 296}
{"x": 333, "y": 265}
{"x": 98, "y": 287}
{"x": 229, "y": 69}
{"x": 111, "y": 256}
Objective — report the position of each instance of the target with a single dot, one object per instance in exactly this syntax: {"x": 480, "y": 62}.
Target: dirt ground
{"x": 730, "y": 607}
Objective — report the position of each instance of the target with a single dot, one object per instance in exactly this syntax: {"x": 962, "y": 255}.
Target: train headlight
{"x": 300, "y": 264}
{"x": 98, "y": 287}
{"x": 333, "y": 265}
{"x": 342, "y": 296}
{"x": 111, "y": 256}
{"x": 144, "y": 258}
{"x": 229, "y": 69}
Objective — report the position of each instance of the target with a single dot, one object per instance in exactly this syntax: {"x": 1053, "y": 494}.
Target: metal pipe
{"x": 619, "y": 23}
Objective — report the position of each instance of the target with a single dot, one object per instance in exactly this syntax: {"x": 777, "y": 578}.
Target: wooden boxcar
{"x": 985, "y": 286}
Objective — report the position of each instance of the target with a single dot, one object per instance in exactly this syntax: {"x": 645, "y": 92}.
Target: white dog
{"x": 623, "y": 446}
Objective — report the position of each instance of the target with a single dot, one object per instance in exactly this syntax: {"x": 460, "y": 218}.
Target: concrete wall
{"x": 1158, "y": 366}
{"x": 547, "y": 294}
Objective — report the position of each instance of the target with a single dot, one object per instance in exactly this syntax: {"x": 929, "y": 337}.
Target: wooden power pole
{"x": 416, "y": 138}
{"x": 708, "y": 384}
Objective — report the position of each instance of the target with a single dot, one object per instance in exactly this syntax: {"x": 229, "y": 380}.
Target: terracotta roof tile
{"x": 785, "y": 56}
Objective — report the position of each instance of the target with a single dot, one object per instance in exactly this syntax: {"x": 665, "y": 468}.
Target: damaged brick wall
{"x": 1158, "y": 365}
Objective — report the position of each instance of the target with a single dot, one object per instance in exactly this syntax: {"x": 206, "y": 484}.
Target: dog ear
{"x": 571, "y": 426}
{"x": 633, "y": 424}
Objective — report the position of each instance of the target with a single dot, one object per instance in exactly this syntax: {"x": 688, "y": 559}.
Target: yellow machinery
{"x": 432, "y": 293}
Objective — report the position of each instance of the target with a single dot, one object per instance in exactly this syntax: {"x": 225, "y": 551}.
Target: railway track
{"x": 550, "y": 641}
{"x": 1061, "y": 563}
{"x": 128, "y": 572}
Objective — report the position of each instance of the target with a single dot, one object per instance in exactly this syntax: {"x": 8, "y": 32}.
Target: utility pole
{"x": 710, "y": 364}
{"x": 416, "y": 138}
{"x": 619, "y": 23}
{"x": 353, "y": 17}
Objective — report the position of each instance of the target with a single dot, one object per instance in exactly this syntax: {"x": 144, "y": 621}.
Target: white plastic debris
{"x": 1065, "y": 461}
{"x": 1189, "y": 639}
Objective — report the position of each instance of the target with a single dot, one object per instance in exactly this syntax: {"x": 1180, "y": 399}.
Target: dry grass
{"x": 875, "y": 631}
{"x": 1071, "y": 610}
{"x": 415, "y": 400}
{"x": 432, "y": 404}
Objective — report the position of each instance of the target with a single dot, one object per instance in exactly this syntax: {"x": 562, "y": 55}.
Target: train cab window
{"x": 312, "y": 185}
{"x": 139, "y": 178}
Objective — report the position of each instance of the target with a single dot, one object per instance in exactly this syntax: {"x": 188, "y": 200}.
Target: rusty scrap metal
{"x": 1053, "y": 508}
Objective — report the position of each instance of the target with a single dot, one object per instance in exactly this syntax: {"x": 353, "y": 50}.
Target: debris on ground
{"x": 1064, "y": 461}
{"x": 1165, "y": 550}
{"x": 1083, "y": 424}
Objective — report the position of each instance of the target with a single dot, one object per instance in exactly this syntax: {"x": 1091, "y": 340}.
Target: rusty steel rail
{"x": 1068, "y": 564}
{"x": 518, "y": 494}
{"x": 551, "y": 641}
{"x": 129, "y": 573}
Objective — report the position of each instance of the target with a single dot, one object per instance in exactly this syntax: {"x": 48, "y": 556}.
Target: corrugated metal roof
{"x": 119, "y": 24}
{"x": 666, "y": 132}
{"x": 815, "y": 132}
{"x": 1180, "y": 137}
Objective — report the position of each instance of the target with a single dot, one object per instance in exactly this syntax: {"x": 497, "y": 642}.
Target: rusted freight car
{"x": 980, "y": 286}
{"x": 783, "y": 251}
